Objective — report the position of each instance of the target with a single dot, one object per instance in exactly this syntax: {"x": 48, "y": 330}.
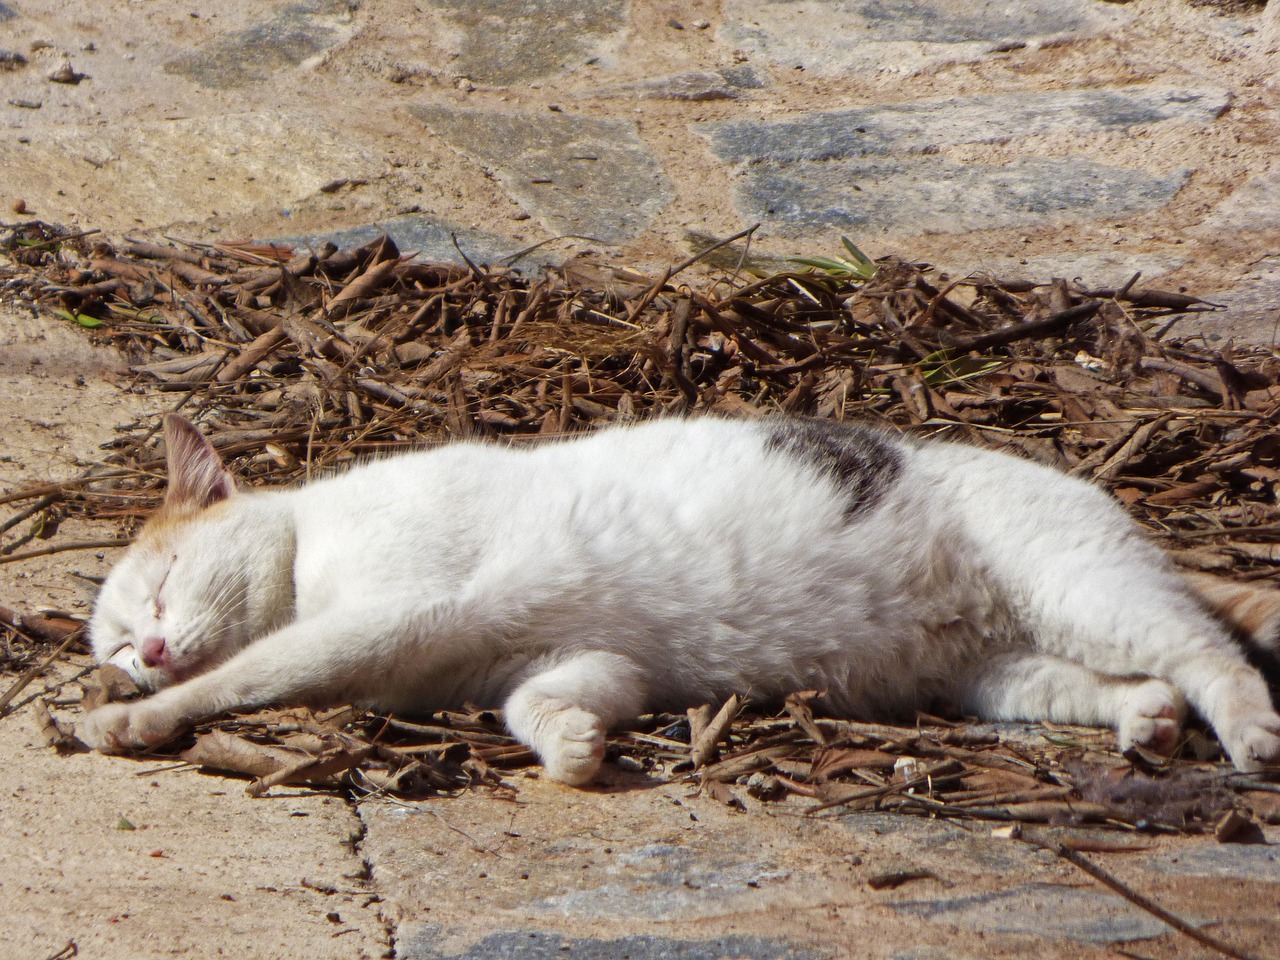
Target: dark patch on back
{"x": 861, "y": 461}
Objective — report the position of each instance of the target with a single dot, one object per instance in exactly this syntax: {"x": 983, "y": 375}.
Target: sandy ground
{"x": 125, "y": 859}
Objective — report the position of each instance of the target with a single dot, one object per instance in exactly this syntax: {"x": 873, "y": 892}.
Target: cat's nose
{"x": 154, "y": 652}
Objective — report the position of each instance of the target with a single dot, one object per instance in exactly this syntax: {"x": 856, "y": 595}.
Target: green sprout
{"x": 942, "y": 368}
{"x": 83, "y": 319}
{"x": 857, "y": 267}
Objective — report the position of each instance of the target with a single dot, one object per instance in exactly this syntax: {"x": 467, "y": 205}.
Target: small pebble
{"x": 19, "y": 206}
{"x": 66, "y": 74}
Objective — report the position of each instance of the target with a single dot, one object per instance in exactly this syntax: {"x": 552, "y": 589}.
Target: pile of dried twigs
{"x": 295, "y": 361}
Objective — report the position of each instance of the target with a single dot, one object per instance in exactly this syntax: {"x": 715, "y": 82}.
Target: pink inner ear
{"x": 196, "y": 475}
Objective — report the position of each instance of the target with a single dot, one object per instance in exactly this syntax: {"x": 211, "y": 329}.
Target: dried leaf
{"x": 53, "y": 732}
{"x": 219, "y": 750}
{"x": 106, "y": 684}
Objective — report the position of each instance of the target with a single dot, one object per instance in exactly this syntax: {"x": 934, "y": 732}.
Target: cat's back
{"x": 660, "y": 486}
{"x": 664, "y": 454}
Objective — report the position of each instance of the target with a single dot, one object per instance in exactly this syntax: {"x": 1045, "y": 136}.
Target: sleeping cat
{"x": 582, "y": 582}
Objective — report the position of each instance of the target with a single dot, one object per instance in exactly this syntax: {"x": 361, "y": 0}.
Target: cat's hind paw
{"x": 1152, "y": 717}
{"x": 121, "y": 727}
{"x": 572, "y": 746}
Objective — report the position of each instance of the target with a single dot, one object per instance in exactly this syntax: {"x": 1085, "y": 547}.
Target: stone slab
{"x": 537, "y": 945}
{"x": 725, "y": 83}
{"x": 835, "y": 36}
{"x": 505, "y": 42}
{"x": 933, "y": 195}
{"x": 644, "y": 869}
{"x": 1252, "y": 308}
{"x": 1254, "y": 206}
{"x": 923, "y": 125}
{"x": 1045, "y": 910}
{"x": 831, "y": 170}
{"x": 1105, "y": 268}
{"x": 1255, "y": 862}
{"x": 575, "y": 174}
{"x": 887, "y": 842}
{"x": 432, "y": 238}
{"x": 664, "y": 882}
{"x": 287, "y": 38}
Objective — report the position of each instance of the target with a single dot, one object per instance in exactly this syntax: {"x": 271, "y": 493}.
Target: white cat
{"x": 581, "y": 582}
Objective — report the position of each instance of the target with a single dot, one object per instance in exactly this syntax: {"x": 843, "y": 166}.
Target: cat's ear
{"x": 196, "y": 475}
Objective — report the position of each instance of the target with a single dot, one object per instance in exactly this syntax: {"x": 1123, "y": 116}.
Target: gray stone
{"x": 827, "y": 171}
{"x": 7, "y": 12}
{"x": 744, "y": 77}
{"x": 432, "y": 239}
{"x": 575, "y": 174}
{"x": 934, "y": 195}
{"x": 1259, "y": 863}
{"x": 832, "y": 36}
{"x": 1042, "y": 909}
{"x": 1252, "y": 311}
{"x": 539, "y": 945}
{"x": 666, "y": 882}
{"x": 1253, "y": 206}
{"x": 924, "y": 125}
{"x": 696, "y": 85}
{"x": 894, "y": 842}
{"x": 512, "y": 41}
{"x": 285, "y": 39}
{"x": 1104, "y": 268}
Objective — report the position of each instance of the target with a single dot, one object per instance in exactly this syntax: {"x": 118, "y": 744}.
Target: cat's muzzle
{"x": 127, "y": 659}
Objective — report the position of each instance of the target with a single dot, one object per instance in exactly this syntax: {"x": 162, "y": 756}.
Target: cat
{"x": 581, "y": 582}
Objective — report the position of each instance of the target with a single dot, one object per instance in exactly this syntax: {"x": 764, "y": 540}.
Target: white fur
{"x": 581, "y": 582}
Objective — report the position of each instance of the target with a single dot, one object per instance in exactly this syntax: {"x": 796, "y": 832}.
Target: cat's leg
{"x": 323, "y": 660}
{"x": 1035, "y": 686}
{"x": 1110, "y": 600}
{"x": 1127, "y": 614}
{"x": 564, "y": 710}
{"x": 1246, "y": 607}
{"x": 1233, "y": 697}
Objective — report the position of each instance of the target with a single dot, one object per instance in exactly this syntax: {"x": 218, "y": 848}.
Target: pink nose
{"x": 154, "y": 653}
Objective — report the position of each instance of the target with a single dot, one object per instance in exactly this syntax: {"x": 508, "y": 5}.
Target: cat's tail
{"x": 1252, "y": 611}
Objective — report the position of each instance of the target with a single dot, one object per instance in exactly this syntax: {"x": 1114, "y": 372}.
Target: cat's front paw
{"x": 573, "y": 746}
{"x": 121, "y": 727}
{"x": 1152, "y": 717}
{"x": 1255, "y": 745}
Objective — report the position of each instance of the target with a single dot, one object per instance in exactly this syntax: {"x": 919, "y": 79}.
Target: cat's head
{"x": 175, "y": 603}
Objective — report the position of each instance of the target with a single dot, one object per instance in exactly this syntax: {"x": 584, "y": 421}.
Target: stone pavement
{"x": 1074, "y": 136}
{"x": 655, "y": 872}
{"x": 1035, "y": 138}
